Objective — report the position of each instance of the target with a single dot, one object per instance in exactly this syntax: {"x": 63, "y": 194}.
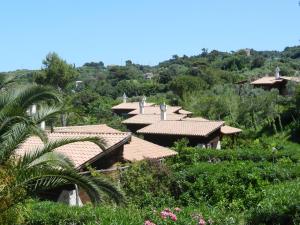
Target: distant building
{"x": 277, "y": 81}
{"x": 248, "y": 51}
{"x": 148, "y": 76}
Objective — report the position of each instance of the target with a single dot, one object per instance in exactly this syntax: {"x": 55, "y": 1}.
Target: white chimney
{"x": 78, "y": 83}
{"x": 277, "y": 75}
{"x": 33, "y": 110}
{"x": 43, "y": 125}
{"x": 124, "y": 98}
{"x": 163, "y": 111}
{"x": 142, "y": 106}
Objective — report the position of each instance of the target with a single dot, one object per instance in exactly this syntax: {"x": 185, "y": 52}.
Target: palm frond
{"x": 47, "y": 113}
{"x": 12, "y": 139}
{"x": 34, "y": 93}
{"x": 49, "y": 178}
{"x": 50, "y": 146}
{"x": 112, "y": 191}
{"x": 53, "y": 159}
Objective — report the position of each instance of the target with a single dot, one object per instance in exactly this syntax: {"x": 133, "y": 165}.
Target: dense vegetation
{"x": 252, "y": 181}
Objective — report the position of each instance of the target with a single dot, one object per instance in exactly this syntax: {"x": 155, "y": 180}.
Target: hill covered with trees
{"x": 253, "y": 181}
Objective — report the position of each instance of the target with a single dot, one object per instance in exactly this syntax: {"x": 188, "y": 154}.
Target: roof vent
{"x": 43, "y": 125}
{"x": 277, "y": 75}
{"x": 163, "y": 111}
{"x": 124, "y": 98}
{"x": 33, "y": 110}
{"x": 142, "y": 106}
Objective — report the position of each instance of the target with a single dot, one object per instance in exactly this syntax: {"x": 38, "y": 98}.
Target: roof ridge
{"x": 84, "y": 132}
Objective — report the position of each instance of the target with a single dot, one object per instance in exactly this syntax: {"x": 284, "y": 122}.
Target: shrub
{"x": 50, "y": 213}
{"x": 280, "y": 205}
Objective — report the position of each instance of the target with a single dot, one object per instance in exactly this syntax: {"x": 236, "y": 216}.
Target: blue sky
{"x": 145, "y": 31}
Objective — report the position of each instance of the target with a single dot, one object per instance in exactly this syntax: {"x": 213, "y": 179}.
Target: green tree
{"x": 56, "y": 72}
{"x": 43, "y": 168}
{"x": 184, "y": 84}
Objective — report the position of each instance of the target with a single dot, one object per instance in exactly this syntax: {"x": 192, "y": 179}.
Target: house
{"x": 85, "y": 153}
{"x": 228, "y": 130}
{"x": 142, "y": 120}
{"x": 166, "y": 132}
{"x": 225, "y": 129}
{"x": 154, "y": 109}
{"x": 125, "y": 107}
{"x": 148, "y": 76}
{"x": 119, "y": 147}
{"x": 134, "y": 150}
{"x": 185, "y": 112}
{"x": 277, "y": 81}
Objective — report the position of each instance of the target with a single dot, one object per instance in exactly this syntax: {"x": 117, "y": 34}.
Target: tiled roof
{"x": 182, "y": 128}
{"x": 155, "y": 110}
{"x": 150, "y": 118}
{"x": 201, "y": 119}
{"x": 267, "y": 80}
{"x": 130, "y": 105}
{"x": 139, "y": 149}
{"x": 296, "y": 79}
{"x": 272, "y": 80}
{"x": 136, "y": 149}
{"x": 184, "y": 112}
{"x": 80, "y": 152}
{"x": 230, "y": 130}
{"x": 99, "y": 128}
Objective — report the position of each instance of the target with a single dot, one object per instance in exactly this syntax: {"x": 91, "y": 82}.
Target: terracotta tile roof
{"x": 155, "y": 110}
{"x": 201, "y": 119}
{"x": 184, "y": 112}
{"x": 99, "y": 128}
{"x": 271, "y": 80}
{"x": 139, "y": 149}
{"x": 136, "y": 149}
{"x": 182, "y": 128}
{"x": 230, "y": 130}
{"x": 130, "y": 105}
{"x": 150, "y": 118}
{"x": 80, "y": 152}
{"x": 295, "y": 79}
{"x": 267, "y": 80}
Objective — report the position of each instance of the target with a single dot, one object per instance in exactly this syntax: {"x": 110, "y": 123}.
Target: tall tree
{"x": 56, "y": 72}
{"x": 42, "y": 168}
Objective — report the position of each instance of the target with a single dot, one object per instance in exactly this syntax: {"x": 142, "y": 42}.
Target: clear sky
{"x": 145, "y": 31}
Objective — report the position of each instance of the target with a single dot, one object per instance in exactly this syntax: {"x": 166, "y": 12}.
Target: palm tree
{"x": 42, "y": 168}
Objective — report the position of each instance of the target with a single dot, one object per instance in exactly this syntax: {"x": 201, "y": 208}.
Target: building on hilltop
{"x": 276, "y": 81}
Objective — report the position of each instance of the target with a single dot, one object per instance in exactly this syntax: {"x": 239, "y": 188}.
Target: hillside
{"x": 253, "y": 180}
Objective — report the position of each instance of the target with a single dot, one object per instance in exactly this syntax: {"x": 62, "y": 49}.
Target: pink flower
{"x": 164, "y": 214}
{"x": 201, "y": 221}
{"x": 177, "y": 209}
{"x": 167, "y": 210}
{"x": 148, "y": 222}
{"x": 167, "y": 213}
{"x": 173, "y": 217}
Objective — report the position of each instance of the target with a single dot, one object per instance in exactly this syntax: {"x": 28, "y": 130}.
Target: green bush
{"x": 280, "y": 205}
{"x": 50, "y": 213}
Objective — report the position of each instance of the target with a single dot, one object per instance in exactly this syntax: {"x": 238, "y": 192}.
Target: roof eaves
{"x": 107, "y": 151}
